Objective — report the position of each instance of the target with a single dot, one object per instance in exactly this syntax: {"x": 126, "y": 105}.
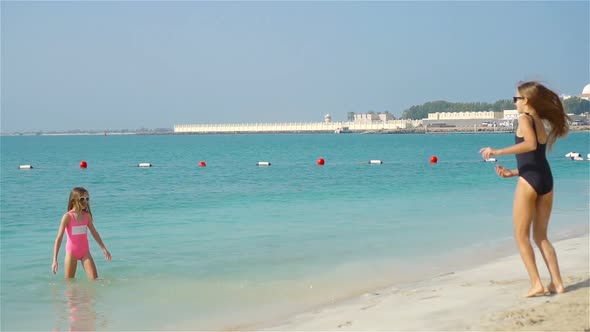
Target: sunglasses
{"x": 84, "y": 198}
{"x": 514, "y": 99}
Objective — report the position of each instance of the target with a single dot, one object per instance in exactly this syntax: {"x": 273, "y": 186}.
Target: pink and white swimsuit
{"x": 76, "y": 232}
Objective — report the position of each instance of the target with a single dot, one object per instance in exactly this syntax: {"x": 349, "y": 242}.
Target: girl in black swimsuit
{"x": 533, "y": 198}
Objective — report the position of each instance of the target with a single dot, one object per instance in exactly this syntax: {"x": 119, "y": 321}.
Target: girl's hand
{"x": 54, "y": 267}
{"x": 504, "y": 172}
{"x": 488, "y": 152}
{"x": 107, "y": 254}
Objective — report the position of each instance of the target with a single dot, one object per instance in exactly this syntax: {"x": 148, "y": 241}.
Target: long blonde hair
{"x": 549, "y": 107}
{"x": 74, "y": 200}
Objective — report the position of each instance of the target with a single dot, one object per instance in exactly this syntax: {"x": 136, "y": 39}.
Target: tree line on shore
{"x": 573, "y": 105}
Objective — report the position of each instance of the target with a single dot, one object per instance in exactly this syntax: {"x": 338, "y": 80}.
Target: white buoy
{"x": 573, "y": 154}
{"x": 25, "y": 166}
{"x": 144, "y": 165}
{"x": 375, "y": 162}
{"x": 263, "y": 163}
{"x": 491, "y": 160}
{"x": 588, "y": 156}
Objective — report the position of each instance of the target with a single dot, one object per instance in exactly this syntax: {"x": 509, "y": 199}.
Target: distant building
{"x": 585, "y": 92}
{"x": 369, "y": 122}
{"x": 372, "y": 117}
{"x": 510, "y": 114}
{"x": 385, "y": 116}
{"x": 366, "y": 117}
{"x": 465, "y": 115}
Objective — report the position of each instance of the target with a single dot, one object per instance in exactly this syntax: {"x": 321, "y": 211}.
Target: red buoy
{"x": 83, "y": 164}
{"x": 434, "y": 159}
{"x": 202, "y": 164}
{"x": 321, "y": 161}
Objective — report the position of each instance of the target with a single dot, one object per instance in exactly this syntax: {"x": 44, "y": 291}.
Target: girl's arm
{"x": 525, "y": 125}
{"x": 97, "y": 238}
{"x": 60, "y": 234}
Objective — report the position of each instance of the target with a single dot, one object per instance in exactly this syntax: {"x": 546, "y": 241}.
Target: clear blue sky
{"x": 116, "y": 65}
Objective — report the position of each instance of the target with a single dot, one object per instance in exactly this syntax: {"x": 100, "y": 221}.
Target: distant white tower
{"x": 328, "y": 118}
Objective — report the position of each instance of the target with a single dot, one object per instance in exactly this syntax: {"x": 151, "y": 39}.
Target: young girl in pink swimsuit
{"x": 76, "y": 222}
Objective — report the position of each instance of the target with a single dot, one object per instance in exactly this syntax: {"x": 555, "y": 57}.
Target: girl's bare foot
{"x": 555, "y": 289}
{"x": 536, "y": 290}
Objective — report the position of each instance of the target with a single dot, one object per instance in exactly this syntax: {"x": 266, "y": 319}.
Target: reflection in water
{"x": 76, "y": 310}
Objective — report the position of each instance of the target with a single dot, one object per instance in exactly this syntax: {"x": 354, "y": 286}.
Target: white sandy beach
{"x": 484, "y": 298}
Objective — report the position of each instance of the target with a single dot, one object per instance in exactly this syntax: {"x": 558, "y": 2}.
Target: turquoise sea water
{"x": 233, "y": 245}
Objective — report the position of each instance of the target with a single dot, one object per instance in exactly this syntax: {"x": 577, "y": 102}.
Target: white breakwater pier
{"x": 310, "y": 127}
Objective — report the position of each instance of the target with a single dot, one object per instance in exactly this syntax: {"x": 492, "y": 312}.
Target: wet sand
{"x": 483, "y": 298}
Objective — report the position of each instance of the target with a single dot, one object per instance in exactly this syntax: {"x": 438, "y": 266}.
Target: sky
{"x": 126, "y": 65}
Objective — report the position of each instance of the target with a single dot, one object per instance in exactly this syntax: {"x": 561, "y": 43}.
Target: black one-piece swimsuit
{"x": 534, "y": 167}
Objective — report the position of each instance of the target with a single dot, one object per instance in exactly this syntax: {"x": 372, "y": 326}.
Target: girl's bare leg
{"x": 523, "y": 211}
{"x": 70, "y": 265}
{"x": 89, "y": 266}
{"x": 544, "y": 205}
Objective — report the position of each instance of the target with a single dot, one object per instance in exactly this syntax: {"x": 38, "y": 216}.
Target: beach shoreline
{"x": 484, "y": 297}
